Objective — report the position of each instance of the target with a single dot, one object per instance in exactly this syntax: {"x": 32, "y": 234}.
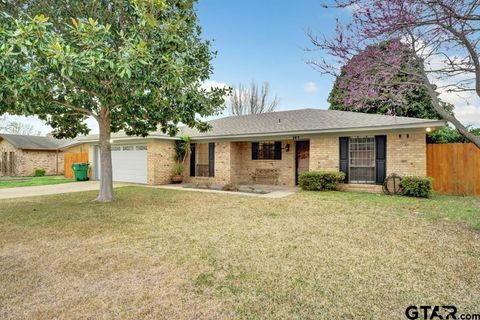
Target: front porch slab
{"x": 358, "y": 187}
{"x": 264, "y": 191}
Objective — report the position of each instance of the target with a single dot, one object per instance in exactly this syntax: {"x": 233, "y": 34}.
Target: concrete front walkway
{"x": 22, "y": 192}
{"x": 277, "y": 192}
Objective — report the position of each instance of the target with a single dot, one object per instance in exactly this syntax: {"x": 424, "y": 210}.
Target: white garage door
{"x": 129, "y": 163}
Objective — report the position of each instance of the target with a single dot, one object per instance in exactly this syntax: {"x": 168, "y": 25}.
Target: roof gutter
{"x": 127, "y": 138}
{"x": 39, "y": 149}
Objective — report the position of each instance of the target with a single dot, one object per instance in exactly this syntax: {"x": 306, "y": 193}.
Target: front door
{"x": 302, "y": 157}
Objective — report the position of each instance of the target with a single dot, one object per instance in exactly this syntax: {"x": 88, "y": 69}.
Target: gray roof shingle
{"x": 35, "y": 142}
{"x": 288, "y": 122}
{"x": 301, "y": 120}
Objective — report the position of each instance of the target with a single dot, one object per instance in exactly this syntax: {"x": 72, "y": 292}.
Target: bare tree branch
{"x": 252, "y": 101}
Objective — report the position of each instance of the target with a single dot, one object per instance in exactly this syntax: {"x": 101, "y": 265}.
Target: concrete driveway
{"x": 22, "y": 192}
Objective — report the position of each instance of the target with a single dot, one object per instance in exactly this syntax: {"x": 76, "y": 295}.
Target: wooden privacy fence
{"x": 71, "y": 158}
{"x": 454, "y": 167}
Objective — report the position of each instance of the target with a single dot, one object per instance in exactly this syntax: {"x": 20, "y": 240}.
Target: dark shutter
{"x": 278, "y": 150}
{"x": 192, "y": 159}
{"x": 344, "y": 156}
{"x": 211, "y": 159}
{"x": 380, "y": 158}
{"x": 254, "y": 150}
{"x": 177, "y": 144}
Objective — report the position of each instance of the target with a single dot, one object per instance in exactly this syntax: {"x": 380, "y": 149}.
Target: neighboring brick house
{"x": 273, "y": 148}
{"x": 20, "y": 155}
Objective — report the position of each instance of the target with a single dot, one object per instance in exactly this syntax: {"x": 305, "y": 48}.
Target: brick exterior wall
{"x": 234, "y": 164}
{"x": 324, "y": 153}
{"x": 243, "y": 167}
{"x": 26, "y": 161}
{"x": 160, "y": 161}
{"x": 407, "y": 153}
{"x": 223, "y": 156}
{"x": 223, "y": 166}
{"x": 51, "y": 161}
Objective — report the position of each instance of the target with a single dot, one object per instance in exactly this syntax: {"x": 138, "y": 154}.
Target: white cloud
{"x": 310, "y": 87}
{"x": 209, "y": 84}
{"x": 466, "y": 104}
{"x": 352, "y": 8}
{"x": 37, "y": 124}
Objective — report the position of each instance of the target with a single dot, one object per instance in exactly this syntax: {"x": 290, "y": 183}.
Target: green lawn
{"x": 12, "y": 182}
{"x": 164, "y": 254}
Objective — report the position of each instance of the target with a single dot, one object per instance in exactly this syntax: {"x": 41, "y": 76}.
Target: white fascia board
{"x": 127, "y": 138}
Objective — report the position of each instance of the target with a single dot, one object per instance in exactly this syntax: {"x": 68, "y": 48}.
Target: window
{"x": 141, "y": 148}
{"x": 116, "y": 148}
{"x": 128, "y": 148}
{"x": 202, "y": 160}
{"x": 362, "y": 159}
{"x": 267, "y": 150}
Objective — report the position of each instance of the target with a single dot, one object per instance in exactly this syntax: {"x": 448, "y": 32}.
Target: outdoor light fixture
{"x": 287, "y": 147}
{"x": 429, "y": 129}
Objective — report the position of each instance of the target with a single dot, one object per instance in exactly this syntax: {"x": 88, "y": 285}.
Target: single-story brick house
{"x": 272, "y": 148}
{"x": 20, "y": 155}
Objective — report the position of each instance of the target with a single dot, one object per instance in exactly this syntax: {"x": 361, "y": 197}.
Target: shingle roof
{"x": 303, "y": 120}
{"x": 290, "y": 122}
{"x": 35, "y": 142}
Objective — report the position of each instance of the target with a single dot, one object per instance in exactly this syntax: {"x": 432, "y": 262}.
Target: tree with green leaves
{"x": 132, "y": 65}
{"x": 450, "y": 135}
{"x": 405, "y": 97}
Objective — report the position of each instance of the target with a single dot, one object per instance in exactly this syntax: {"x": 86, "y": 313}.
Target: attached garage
{"x": 129, "y": 163}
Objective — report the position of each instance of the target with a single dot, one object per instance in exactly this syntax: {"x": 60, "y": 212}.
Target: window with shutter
{"x": 267, "y": 150}
{"x": 255, "y": 146}
{"x": 362, "y": 159}
{"x": 211, "y": 159}
{"x": 202, "y": 159}
{"x": 343, "y": 143}
{"x": 193, "y": 160}
{"x": 380, "y": 158}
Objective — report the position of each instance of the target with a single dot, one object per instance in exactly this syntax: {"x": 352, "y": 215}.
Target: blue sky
{"x": 263, "y": 40}
{"x": 266, "y": 41}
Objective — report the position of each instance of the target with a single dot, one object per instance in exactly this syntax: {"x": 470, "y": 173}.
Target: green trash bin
{"x": 81, "y": 171}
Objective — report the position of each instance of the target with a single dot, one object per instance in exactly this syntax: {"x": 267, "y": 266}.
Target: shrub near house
{"x": 320, "y": 180}
{"x": 419, "y": 187}
{"x": 39, "y": 172}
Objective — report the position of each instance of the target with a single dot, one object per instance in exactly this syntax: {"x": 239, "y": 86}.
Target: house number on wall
{"x": 295, "y": 138}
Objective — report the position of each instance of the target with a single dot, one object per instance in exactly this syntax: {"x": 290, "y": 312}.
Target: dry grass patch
{"x": 163, "y": 254}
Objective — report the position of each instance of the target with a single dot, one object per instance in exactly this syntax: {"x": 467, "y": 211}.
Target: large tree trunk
{"x": 106, "y": 182}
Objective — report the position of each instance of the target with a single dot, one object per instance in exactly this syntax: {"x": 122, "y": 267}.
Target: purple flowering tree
{"x": 443, "y": 36}
{"x": 404, "y": 96}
